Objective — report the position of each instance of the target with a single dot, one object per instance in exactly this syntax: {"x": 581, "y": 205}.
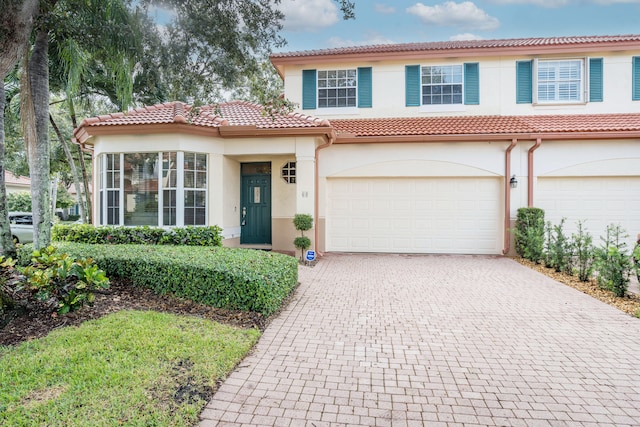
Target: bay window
{"x": 154, "y": 189}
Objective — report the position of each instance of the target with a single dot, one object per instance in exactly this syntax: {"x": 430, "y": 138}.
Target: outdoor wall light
{"x": 513, "y": 182}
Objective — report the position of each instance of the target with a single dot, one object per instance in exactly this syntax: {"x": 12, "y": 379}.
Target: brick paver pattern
{"x": 395, "y": 340}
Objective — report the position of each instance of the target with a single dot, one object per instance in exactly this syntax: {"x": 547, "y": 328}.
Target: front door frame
{"x": 255, "y": 205}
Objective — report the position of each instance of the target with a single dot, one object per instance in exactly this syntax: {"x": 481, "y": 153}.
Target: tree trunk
{"x": 36, "y": 126}
{"x": 88, "y": 219}
{"x": 74, "y": 169}
{"x": 16, "y": 22}
{"x": 7, "y": 247}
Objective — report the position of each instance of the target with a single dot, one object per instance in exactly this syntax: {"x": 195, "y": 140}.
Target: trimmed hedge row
{"x": 188, "y": 236}
{"x": 221, "y": 277}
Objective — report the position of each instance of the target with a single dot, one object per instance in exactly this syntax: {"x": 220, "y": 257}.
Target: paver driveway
{"x": 395, "y": 340}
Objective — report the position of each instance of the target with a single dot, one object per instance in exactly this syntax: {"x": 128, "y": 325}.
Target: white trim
{"x": 583, "y": 90}
{"x": 338, "y": 111}
{"x": 442, "y": 108}
{"x": 231, "y": 232}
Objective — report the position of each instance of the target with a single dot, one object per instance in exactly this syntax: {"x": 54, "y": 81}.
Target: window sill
{"x": 338, "y": 111}
{"x": 442, "y": 108}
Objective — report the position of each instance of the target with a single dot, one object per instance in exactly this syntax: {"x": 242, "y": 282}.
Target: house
{"x": 411, "y": 148}
{"x": 16, "y": 183}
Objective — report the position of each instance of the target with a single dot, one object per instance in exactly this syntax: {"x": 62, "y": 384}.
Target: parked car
{"x": 21, "y": 224}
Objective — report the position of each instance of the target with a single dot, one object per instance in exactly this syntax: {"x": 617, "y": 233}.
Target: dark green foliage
{"x": 303, "y": 222}
{"x": 559, "y": 249}
{"x": 636, "y": 261}
{"x": 53, "y": 280}
{"x": 583, "y": 253}
{"x": 613, "y": 262}
{"x": 303, "y": 243}
{"x": 221, "y": 277}
{"x": 187, "y": 236}
{"x": 529, "y": 233}
{"x": 19, "y": 201}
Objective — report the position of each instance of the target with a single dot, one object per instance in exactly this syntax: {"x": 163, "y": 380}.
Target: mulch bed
{"x": 121, "y": 295}
{"x": 630, "y": 303}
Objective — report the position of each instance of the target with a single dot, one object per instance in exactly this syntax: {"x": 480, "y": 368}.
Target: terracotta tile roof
{"x": 464, "y": 45}
{"x": 11, "y": 178}
{"x": 235, "y": 113}
{"x": 483, "y": 125}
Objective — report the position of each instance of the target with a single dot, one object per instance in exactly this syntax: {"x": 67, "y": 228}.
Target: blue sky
{"x": 318, "y": 24}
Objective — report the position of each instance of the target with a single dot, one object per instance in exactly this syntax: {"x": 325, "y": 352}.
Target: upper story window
{"x": 442, "y": 85}
{"x": 337, "y": 88}
{"x": 560, "y": 81}
{"x": 340, "y": 91}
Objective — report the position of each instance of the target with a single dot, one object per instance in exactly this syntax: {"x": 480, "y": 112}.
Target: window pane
{"x": 560, "y": 81}
{"x": 439, "y": 83}
{"x": 337, "y": 89}
{"x": 141, "y": 175}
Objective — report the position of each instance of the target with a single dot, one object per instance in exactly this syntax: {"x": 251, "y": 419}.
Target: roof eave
{"x": 574, "y": 48}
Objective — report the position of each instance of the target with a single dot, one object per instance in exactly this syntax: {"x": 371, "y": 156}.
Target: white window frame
{"x": 581, "y": 90}
{"x": 103, "y": 193}
{"x": 285, "y": 172}
{"x": 337, "y": 87}
{"x": 448, "y": 106}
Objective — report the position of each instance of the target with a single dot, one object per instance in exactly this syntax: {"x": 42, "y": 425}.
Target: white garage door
{"x": 598, "y": 200}
{"x": 414, "y": 215}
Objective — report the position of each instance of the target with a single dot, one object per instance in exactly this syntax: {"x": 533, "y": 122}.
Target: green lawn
{"x": 130, "y": 368}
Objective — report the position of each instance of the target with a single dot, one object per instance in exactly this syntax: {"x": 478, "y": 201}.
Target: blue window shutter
{"x": 595, "y": 80}
{"x": 364, "y": 87}
{"x": 635, "y": 80}
{"x": 309, "y": 89}
{"x": 471, "y": 83}
{"x": 412, "y": 85}
{"x": 524, "y": 82}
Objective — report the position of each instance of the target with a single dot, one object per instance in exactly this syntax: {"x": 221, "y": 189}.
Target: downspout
{"x": 316, "y": 207}
{"x": 530, "y": 171}
{"x": 507, "y": 197}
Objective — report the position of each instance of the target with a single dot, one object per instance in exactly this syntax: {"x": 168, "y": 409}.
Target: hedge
{"x": 189, "y": 236}
{"x": 230, "y": 278}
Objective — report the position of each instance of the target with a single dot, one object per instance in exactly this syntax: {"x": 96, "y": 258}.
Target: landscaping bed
{"x": 629, "y": 304}
{"x": 121, "y": 295}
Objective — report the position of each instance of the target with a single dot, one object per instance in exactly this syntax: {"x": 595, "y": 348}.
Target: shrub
{"x": 302, "y": 222}
{"x": 221, "y": 277}
{"x": 53, "y": 281}
{"x": 613, "y": 262}
{"x": 529, "y": 233}
{"x": 188, "y": 236}
{"x": 558, "y": 248}
{"x": 583, "y": 253}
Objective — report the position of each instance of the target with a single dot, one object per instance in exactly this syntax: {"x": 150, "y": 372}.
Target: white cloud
{"x": 370, "y": 39}
{"x": 384, "y": 9}
{"x": 450, "y": 14}
{"x": 308, "y": 15}
{"x": 542, "y": 3}
{"x": 465, "y": 36}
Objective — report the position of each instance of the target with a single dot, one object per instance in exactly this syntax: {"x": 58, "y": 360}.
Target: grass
{"x": 134, "y": 368}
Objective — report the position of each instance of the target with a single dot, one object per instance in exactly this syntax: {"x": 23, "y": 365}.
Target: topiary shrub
{"x": 302, "y": 222}
{"x": 529, "y": 234}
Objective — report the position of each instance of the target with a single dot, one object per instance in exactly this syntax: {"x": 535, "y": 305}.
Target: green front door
{"x": 255, "y": 196}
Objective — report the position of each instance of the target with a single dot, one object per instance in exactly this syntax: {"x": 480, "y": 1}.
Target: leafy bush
{"x": 222, "y": 277}
{"x": 302, "y": 222}
{"x": 558, "y": 254}
{"x": 529, "y": 233}
{"x": 613, "y": 261}
{"x": 53, "y": 281}
{"x": 188, "y": 236}
{"x": 19, "y": 201}
{"x": 583, "y": 253}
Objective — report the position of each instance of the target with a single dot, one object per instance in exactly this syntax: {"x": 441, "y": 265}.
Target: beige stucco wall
{"x": 497, "y": 88}
{"x": 224, "y": 159}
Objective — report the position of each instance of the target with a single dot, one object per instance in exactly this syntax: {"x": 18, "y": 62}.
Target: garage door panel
{"x": 599, "y": 201}
{"x": 420, "y": 215}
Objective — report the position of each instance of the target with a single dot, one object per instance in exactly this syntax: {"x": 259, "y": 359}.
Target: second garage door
{"x": 414, "y": 215}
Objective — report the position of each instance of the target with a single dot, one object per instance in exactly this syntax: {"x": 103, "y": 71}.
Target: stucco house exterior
{"x": 16, "y": 183}
{"x": 411, "y": 148}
